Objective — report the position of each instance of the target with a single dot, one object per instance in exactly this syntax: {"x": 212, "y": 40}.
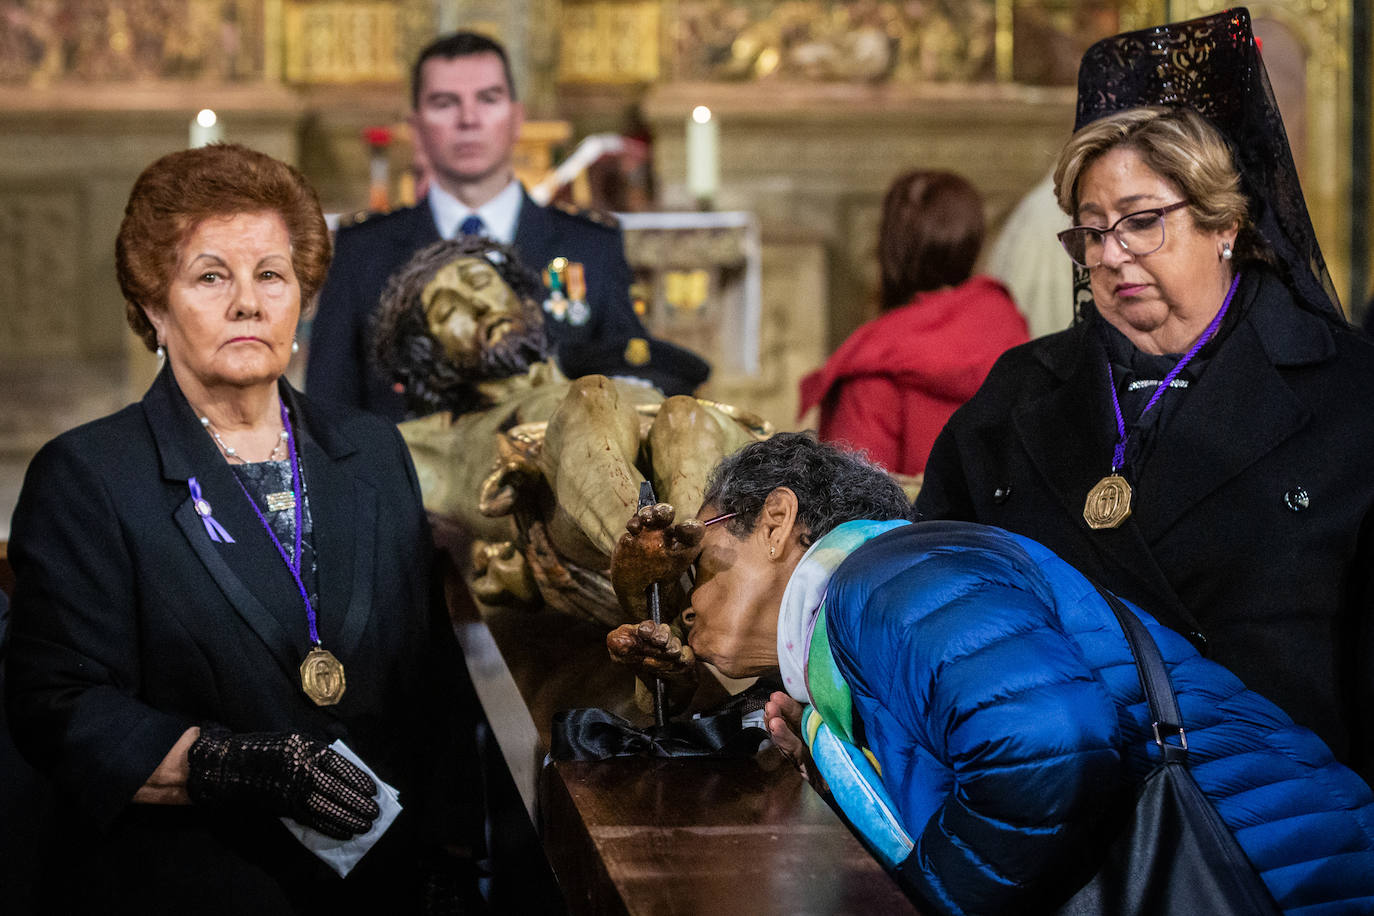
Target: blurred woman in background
{"x": 890, "y": 387}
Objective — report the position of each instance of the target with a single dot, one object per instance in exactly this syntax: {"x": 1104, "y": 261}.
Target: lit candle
{"x": 205, "y": 129}
{"x": 703, "y": 155}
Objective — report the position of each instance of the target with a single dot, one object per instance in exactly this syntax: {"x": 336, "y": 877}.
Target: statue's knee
{"x": 682, "y": 409}
{"x": 591, "y": 393}
{"x": 684, "y": 418}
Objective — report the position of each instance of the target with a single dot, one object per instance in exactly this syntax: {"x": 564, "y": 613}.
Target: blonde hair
{"x": 1177, "y": 144}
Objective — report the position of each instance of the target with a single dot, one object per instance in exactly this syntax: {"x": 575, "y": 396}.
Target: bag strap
{"x": 1154, "y": 679}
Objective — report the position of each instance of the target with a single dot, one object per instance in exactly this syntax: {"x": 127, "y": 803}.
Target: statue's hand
{"x": 500, "y": 574}
{"x": 654, "y": 650}
{"x": 516, "y": 467}
{"x": 653, "y": 549}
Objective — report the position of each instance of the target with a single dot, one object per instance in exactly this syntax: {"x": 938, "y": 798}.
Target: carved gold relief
{"x": 341, "y": 42}
{"x": 686, "y": 249}
{"x": 1141, "y": 14}
{"x": 131, "y": 40}
{"x": 686, "y": 290}
{"x": 1050, "y": 36}
{"x": 606, "y": 41}
{"x": 847, "y": 41}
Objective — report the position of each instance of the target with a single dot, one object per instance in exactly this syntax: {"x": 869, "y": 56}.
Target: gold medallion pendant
{"x": 322, "y": 677}
{"x": 1108, "y": 503}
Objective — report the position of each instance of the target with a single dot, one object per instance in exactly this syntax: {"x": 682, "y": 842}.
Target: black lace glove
{"x": 284, "y": 774}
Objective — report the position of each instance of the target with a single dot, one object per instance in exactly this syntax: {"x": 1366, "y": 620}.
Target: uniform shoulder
{"x": 365, "y": 223}
{"x": 601, "y": 219}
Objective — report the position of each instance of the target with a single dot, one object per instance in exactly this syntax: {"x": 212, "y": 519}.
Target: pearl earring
{"x": 296, "y": 347}
{"x": 1226, "y": 251}
{"x": 771, "y": 552}
{"x": 160, "y": 353}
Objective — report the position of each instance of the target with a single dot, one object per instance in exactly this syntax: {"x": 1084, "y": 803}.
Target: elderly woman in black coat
{"x": 224, "y": 590}
{"x": 1196, "y": 442}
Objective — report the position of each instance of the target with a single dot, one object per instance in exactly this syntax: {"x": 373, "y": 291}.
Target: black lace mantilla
{"x": 1212, "y": 65}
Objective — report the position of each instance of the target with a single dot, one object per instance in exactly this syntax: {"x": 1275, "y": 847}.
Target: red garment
{"x": 890, "y": 388}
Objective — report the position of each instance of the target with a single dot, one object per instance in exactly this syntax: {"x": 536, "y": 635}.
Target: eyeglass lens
{"x": 1139, "y": 234}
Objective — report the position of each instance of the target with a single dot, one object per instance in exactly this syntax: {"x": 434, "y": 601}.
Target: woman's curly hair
{"x": 833, "y": 485}
{"x": 179, "y": 191}
{"x": 405, "y": 352}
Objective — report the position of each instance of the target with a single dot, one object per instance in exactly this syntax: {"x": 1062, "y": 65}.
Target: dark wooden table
{"x": 651, "y": 835}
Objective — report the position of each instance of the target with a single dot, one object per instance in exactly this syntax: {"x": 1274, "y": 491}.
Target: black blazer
{"x": 340, "y": 367}
{"x": 130, "y": 625}
{"x": 1252, "y": 526}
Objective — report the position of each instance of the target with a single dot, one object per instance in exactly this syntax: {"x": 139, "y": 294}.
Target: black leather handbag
{"x": 1174, "y": 855}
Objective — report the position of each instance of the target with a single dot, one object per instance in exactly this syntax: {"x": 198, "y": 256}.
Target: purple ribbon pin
{"x": 202, "y": 507}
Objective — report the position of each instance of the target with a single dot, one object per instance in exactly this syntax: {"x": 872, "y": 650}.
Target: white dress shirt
{"x": 499, "y": 214}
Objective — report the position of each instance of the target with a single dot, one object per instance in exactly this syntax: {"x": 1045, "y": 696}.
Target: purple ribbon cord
{"x": 202, "y": 507}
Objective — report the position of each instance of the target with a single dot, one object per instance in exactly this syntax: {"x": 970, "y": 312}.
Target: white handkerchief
{"x": 342, "y": 855}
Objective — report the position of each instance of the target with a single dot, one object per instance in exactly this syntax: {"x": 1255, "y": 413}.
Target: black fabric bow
{"x": 595, "y": 734}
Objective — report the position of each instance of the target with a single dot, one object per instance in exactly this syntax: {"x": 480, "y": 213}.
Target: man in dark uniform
{"x": 465, "y": 120}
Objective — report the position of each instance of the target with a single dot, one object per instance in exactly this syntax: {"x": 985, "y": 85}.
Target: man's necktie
{"x": 472, "y": 225}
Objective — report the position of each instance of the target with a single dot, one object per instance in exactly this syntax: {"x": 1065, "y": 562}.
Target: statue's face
{"x": 469, "y": 308}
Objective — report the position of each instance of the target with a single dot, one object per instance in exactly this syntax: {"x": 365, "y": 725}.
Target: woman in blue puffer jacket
{"x": 990, "y": 685}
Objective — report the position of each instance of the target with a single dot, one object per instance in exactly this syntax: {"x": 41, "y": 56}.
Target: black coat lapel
{"x": 344, "y": 510}
{"x": 186, "y": 452}
{"x": 1187, "y": 466}
{"x": 1069, "y": 435}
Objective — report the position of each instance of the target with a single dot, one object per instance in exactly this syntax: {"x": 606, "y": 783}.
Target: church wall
{"x": 808, "y": 150}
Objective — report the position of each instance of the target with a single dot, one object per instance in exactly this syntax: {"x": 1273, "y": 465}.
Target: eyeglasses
{"x": 692, "y": 570}
{"x": 1138, "y": 233}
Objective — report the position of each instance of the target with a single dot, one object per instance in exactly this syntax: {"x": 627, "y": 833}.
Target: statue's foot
{"x": 653, "y": 549}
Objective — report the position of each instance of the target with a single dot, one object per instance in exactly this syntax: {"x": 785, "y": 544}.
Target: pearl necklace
{"x": 232, "y": 453}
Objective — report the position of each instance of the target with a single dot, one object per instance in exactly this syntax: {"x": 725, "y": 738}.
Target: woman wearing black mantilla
{"x": 1196, "y": 441}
